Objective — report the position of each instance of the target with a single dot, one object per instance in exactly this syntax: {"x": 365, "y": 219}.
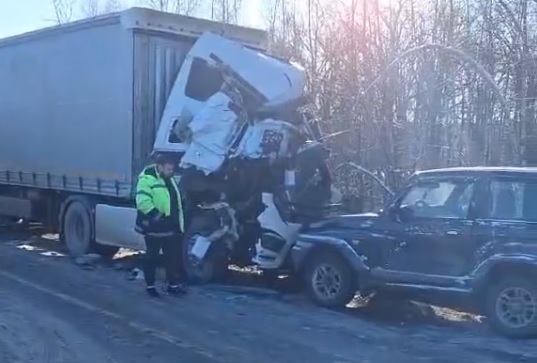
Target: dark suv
{"x": 459, "y": 237}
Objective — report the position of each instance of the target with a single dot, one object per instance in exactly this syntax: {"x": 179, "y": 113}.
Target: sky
{"x": 19, "y": 16}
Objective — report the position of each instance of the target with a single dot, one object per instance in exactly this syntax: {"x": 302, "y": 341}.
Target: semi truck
{"x": 84, "y": 104}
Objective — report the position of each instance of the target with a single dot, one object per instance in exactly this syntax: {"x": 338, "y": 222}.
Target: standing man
{"x": 161, "y": 220}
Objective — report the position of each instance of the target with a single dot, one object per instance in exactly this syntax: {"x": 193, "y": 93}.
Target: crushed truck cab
{"x": 213, "y": 57}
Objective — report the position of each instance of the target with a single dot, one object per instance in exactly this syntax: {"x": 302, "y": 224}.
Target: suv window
{"x": 439, "y": 199}
{"x": 512, "y": 200}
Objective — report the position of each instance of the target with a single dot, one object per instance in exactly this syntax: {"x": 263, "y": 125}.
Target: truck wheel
{"x": 511, "y": 307}
{"x": 330, "y": 281}
{"x": 77, "y": 229}
{"x": 213, "y": 268}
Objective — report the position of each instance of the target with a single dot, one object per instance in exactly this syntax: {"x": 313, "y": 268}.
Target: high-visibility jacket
{"x": 153, "y": 202}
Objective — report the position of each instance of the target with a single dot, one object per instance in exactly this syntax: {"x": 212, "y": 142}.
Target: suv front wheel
{"x": 330, "y": 280}
{"x": 511, "y": 307}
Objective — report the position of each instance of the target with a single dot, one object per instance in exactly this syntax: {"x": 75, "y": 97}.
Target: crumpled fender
{"x": 307, "y": 244}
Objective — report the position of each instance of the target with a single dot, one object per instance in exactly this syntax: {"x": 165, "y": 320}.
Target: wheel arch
{"x": 308, "y": 246}
{"x": 496, "y": 270}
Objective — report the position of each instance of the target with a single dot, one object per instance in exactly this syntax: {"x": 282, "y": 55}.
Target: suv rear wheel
{"x": 511, "y": 307}
{"x": 330, "y": 281}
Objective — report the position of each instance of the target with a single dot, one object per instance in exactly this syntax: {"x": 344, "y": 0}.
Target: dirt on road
{"x": 52, "y": 310}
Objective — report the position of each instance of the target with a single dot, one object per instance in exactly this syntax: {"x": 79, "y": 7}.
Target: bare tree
{"x": 185, "y": 7}
{"x": 63, "y": 10}
{"x": 407, "y": 84}
{"x": 92, "y": 8}
{"x": 226, "y": 11}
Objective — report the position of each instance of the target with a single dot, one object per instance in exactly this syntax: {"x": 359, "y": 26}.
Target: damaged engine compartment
{"x": 253, "y": 170}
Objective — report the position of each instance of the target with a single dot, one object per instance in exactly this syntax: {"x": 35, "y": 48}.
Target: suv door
{"x": 435, "y": 227}
{"x": 506, "y": 226}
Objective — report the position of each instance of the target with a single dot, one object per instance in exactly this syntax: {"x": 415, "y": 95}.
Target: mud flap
{"x": 200, "y": 248}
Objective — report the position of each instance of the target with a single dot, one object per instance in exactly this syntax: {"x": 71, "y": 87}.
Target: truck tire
{"x": 511, "y": 307}
{"x": 78, "y": 229}
{"x": 330, "y": 281}
{"x": 214, "y": 268}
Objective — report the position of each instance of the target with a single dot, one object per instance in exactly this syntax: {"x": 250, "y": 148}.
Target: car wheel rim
{"x": 516, "y": 307}
{"x": 326, "y": 281}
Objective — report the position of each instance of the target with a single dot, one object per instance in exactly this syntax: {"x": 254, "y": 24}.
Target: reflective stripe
{"x": 157, "y": 186}
{"x": 147, "y": 194}
{"x": 140, "y": 230}
{"x": 160, "y": 234}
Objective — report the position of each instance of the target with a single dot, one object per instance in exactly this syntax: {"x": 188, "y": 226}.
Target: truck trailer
{"x": 84, "y": 104}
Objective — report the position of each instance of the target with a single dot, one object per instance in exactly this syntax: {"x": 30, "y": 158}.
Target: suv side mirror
{"x": 400, "y": 214}
{"x": 405, "y": 213}
{"x": 392, "y": 212}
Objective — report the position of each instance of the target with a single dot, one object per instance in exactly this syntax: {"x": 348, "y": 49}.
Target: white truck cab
{"x": 268, "y": 79}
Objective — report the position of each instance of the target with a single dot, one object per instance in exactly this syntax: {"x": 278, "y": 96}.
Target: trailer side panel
{"x": 66, "y": 110}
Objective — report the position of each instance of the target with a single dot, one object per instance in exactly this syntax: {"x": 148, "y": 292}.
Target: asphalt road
{"x": 51, "y": 310}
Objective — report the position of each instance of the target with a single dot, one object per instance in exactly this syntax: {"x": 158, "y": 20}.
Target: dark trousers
{"x": 172, "y": 250}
